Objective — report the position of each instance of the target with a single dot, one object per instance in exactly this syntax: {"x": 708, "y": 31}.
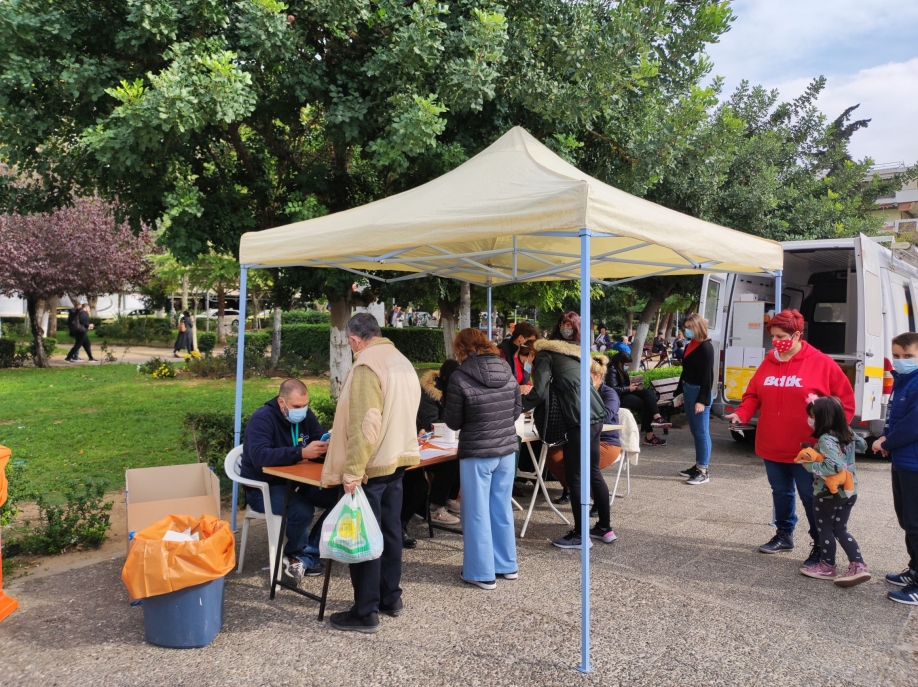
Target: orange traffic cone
{"x": 7, "y": 605}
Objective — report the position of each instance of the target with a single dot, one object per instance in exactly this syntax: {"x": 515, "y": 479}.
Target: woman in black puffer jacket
{"x": 483, "y": 401}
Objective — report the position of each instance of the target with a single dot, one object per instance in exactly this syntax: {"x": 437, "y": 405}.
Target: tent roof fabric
{"x": 512, "y": 213}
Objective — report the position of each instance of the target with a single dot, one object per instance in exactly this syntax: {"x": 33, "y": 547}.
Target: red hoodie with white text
{"x": 782, "y": 390}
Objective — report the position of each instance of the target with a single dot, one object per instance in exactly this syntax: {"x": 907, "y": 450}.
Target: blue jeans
{"x": 698, "y": 424}
{"x": 783, "y": 477}
{"x": 488, "y": 533}
{"x": 302, "y": 543}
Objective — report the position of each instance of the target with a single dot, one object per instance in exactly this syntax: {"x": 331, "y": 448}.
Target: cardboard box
{"x": 151, "y": 494}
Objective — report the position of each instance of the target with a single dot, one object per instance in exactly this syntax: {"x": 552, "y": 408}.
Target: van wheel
{"x": 749, "y": 435}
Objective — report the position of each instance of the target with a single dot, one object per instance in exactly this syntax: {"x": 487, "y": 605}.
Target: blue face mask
{"x": 527, "y": 367}
{"x": 689, "y": 334}
{"x": 905, "y": 366}
{"x": 297, "y": 415}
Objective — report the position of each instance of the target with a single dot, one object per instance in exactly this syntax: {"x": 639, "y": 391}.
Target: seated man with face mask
{"x": 284, "y": 432}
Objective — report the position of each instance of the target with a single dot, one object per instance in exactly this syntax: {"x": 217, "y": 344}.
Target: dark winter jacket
{"x": 618, "y": 379}
{"x": 556, "y": 370}
{"x": 269, "y": 441}
{"x": 611, "y": 402}
{"x": 901, "y": 430}
{"x": 483, "y": 400}
{"x": 78, "y": 322}
{"x": 698, "y": 369}
{"x": 431, "y": 408}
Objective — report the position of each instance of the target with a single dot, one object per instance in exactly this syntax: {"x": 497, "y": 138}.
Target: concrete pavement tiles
{"x": 683, "y": 598}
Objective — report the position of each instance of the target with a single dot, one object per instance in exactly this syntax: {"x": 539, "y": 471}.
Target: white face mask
{"x": 567, "y": 332}
{"x": 811, "y": 422}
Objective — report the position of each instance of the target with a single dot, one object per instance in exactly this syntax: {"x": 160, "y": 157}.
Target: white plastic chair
{"x": 231, "y": 466}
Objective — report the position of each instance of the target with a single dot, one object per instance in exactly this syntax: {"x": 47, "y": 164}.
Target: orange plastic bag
{"x": 155, "y": 567}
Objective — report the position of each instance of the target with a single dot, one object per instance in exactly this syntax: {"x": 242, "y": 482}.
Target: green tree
{"x": 218, "y": 273}
{"x": 208, "y": 119}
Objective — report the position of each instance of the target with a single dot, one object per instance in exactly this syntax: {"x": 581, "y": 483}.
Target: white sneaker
{"x": 295, "y": 570}
{"x": 453, "y": 506}
{"x": 442, "y": 517}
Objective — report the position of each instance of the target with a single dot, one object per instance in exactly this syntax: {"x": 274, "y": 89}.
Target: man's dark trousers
{"x": 81, "y": 340}
{"x": 377, "y": 582}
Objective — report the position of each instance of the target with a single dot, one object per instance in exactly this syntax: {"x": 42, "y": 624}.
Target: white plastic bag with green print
{"x": 350, "y": 533}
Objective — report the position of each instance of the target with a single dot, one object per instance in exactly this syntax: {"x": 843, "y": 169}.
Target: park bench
{"x": 666, "y": 390}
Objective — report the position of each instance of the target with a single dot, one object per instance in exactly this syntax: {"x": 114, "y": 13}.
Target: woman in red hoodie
{"x": 790, "y": 376}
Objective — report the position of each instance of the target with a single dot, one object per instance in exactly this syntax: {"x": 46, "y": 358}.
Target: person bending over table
{"x": 483, "y": 400}
{"x": 284, "y": 431}
{"x": 556, "y": 372}
{"x": 445, "y": 484}
{"x": 633, "y": 397}
{"x": 373, "y": 441}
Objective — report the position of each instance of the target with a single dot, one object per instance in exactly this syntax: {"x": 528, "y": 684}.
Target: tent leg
{"x": 490, "y": 330}
{"x": 240, "y": 360}
{"x": 778, "y": 289}
{"x": 585, "y": 382}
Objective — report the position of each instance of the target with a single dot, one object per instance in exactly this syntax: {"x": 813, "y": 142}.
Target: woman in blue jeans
{"x": 483, "y": 402}
{"x": 696, "y": 385}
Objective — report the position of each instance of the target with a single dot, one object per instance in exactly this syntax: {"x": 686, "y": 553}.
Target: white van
{"x": 855, "y": 295}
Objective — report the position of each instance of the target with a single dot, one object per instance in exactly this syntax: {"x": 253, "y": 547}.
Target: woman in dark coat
{"x": 634, "y": 397}
{"x": 483, "y": 403}
{"x": 556, "y": 371}
{"x": 185, "y": 339}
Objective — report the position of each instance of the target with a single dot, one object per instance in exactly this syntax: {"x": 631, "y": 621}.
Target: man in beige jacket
{"x": 373, "y": 441}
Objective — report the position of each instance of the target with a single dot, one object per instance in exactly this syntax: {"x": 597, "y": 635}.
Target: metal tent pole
{"x": 778, "y": 285}
{"x": 489, "y": 310}
{"x": 585, "y": 382}
{"x": 240, "y": 358}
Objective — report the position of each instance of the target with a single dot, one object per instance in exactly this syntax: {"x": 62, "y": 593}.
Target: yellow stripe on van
{"x": 873, "y": 371}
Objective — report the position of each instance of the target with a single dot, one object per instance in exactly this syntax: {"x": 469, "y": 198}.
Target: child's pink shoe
{"x": 857, "y": 573}
{"x": 821, "y": 571}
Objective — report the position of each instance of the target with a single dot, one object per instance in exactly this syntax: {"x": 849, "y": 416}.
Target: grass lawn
{"x": 97, "y": 421}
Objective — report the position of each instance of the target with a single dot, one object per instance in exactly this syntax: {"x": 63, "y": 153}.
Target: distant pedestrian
{"x": 79, "y": 324}
{"x": 185, "y": 338}
{"x": 696, "y": 389}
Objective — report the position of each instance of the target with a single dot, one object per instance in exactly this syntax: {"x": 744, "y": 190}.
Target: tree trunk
{"x": 276, "y": 337}
{"x": 465, "y": 305}
{"x": 36, "y": 308}
{"x": 93, "y": 306}
{"x": 647, "y": 314}
{"x": 449, "y": 318}
{"x": 340, "y": 358}
{"x": 629, "y": 318}
{"x": 256, "y": 307}
{"x": 184, "y": 292}
{"x": 52, "y": 317}
{"x": 666, "y": 321}
{"x": 657, "y": 325}
{"x": 221, "y": 308}
{"x": 692, "y": 308}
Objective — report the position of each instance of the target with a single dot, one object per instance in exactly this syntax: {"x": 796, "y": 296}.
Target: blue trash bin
{"x": 186, "y": 619}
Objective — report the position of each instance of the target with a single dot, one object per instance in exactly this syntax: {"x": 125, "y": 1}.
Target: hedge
{"x": 140, "y": 329}
{"x": 306, "y": 317}
{"x": 7, "y": 352}
{"x": 207, "y": 341}
{"x": 418, "y": 344}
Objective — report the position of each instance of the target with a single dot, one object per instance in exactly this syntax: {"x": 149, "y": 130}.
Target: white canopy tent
{"x": 515, "y": 212}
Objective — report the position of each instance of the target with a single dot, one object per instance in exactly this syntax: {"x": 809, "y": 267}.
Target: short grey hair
{"x": 291, "y": 386}
{"x": 364, "y": 326}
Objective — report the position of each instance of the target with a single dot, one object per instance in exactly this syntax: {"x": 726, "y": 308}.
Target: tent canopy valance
{"x": 512, "y": 213}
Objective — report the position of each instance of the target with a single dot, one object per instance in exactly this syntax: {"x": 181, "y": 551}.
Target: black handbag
{"x": 554, "y": 432}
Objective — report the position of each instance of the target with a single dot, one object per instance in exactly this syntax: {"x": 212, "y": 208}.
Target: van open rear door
{"x": 869, "y": 387}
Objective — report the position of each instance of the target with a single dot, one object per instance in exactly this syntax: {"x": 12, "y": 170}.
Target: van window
{"x": 872, "y": 299}
{"x": 712, "y": 303}
{"x": 830, "y": 312}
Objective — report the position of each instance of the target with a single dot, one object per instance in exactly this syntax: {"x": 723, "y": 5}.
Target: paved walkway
{"x": 682, "y": 598}
{"x": 124, "y": 354}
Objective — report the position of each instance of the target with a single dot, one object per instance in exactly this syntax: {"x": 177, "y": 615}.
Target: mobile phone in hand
{"x": 805, "y": 445}
{"x": 427, "y": 435}
{"x": 326, "y": 436}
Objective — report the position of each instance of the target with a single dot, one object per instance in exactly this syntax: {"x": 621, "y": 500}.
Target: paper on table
{"x": 428, "y": 453}
{"x": 442, "y": 443}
